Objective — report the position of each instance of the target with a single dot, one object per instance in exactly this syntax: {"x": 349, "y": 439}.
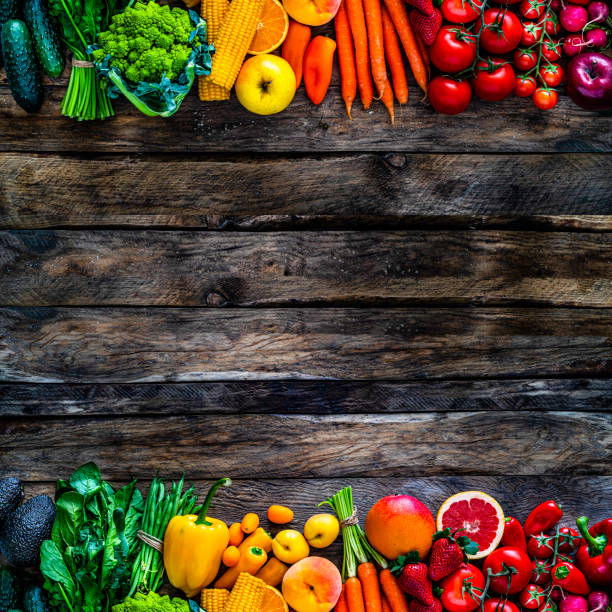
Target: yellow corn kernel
{"x": 213, "y": 11}
{"x": 247, "y": 594}
{"x": 235, "y": 36}
{"x": 214, "y": 600}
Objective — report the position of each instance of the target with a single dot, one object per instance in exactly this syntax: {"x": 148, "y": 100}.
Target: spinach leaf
{"x": 53, "y": 568}
{"x": 70, "y": 516}
{"x": 87, "y": 480}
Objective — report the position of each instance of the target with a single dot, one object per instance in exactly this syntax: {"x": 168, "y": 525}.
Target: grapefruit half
{"x": 477, "y": 515}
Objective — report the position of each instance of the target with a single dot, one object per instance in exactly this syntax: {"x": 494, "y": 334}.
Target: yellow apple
{"x": 312, "y": 12}
{"x": 266, "y": 84}
{"x": 321, "y": 530}
{"x": 290, "y": 546}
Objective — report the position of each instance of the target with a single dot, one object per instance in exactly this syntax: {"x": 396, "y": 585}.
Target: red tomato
{"x": 456, "y": 589}
{"x": 532, "y": 9}
{"x": 530, "y": 33}
{"x": 494, "y": 80}
{"x": 454, "y": 49}
{"x": 549, "y": 606}
{"x": 532, "y": 596}
{"x": 569, "y": 540}
{"x": 552, "y": 24}
{"x": 496, "y": 605}
{"x": 461, "y": 11}
{"x": 524, "y": 59}
{"x": 545, "y": 99}
{"x": 551, "y": 50}
{"x": 541, "y": 546}
{"x": 540, "y": 570}
{"x": 524, "y": 86}
{"x": 510, "y": 557}
{"x": 448, "y": 96}
{"x": 552, "y": 75}
{"x": 501, "y": 32}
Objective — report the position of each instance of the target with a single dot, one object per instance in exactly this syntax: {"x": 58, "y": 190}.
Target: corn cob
{"x": 235, "y": 36}
{"x": 247, "y": 594}
{"x": 213, "y": 12}
{"x": 214, "y": 600}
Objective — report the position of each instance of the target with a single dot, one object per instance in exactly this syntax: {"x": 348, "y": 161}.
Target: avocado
{"x": 11, "y": 495}
{"x": 25, "y": 529}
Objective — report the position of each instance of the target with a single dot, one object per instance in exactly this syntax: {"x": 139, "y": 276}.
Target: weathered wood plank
{"x": 511, "y": 125}
{"x": 106, "y": 268}
{"x": 391, "y": 191}
{"x": 305, "y": 397}
{"x": 292, "y": 446}
{"x": 183, "y": 345}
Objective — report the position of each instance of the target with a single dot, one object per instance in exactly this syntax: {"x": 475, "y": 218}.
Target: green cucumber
{"x": 46, "y": 41}
{"x": 21, "y": 66}
{"x": 9, "y": 9}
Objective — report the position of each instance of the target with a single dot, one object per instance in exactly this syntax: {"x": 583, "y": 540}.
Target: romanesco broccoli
{"x": 152, "y": 602}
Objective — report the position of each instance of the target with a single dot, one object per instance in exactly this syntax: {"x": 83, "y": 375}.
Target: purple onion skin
{"x": 598, "y": 601}
{"x": 573, "y": 18}
{"x": 589, "y": 81}
{"x": 598, "y": 10}
{"x": 574, "y": 603}
{"x": 597, "y": 38}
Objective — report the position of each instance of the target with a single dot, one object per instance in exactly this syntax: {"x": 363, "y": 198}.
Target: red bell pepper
{"x": 318, "y": 67}
{"x": 594, "y": 557}
{"x": 514, "y": 534}
{"x": 570, "y": 579}
{"x": 543, "y": 517}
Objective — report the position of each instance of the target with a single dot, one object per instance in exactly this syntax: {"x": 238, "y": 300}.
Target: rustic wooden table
{"x": 301, "y": 302}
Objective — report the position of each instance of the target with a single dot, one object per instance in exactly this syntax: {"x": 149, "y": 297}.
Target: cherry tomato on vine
{"x": 524, "y": 59}
{"x": 508, "y": 556}
{"x": 530, "y": 33}
{"x": 495, "y": 604}
{"x": 448, "y": 96}
{"x": 494, "y": 80}
{"x": 524, "y": 86}
{"x": 548, "y": 606}
{"x": 456, "y": 589}
{"x": 461, "y": 11}
{"x": 541, "y": 546}
{"x": 532, "y": 596}
{"x": 454, "y": 49}
{"x": 569, "y": 540}
{"x": 552, "y": 75}
{"x": 501, "y": 32}
{"x": 545, "y": 99}
{"x": 540, "y": 570}
{"x": 552, "y": 25}
{"x": 551, "y": 50}
{"x": 532, "y": 9}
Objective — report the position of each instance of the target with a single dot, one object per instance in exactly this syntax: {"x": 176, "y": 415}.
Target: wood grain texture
{"x": 291, "y": 446}
{"x": 304, "y": 397}
{"x": 511, "y": 125}
{"x": 106, "y": 268}
{"x": 183, "y": 345}
{"x": 388, "y": 191}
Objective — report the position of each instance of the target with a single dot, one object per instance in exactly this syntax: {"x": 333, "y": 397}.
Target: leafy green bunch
{"x": 88, "y": 560}
{"x": 147, "y": 42}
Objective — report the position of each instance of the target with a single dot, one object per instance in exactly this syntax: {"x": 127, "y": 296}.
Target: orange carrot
{"x": 385, "y": 605}
{"x": 399, "y": 16}
{"x": 424, "y": 53}
{"x": 393, "y": 593}
{"x": 356, "y": 17}
{"x": 341, "y": 605}
{"x": 369, "y": 576}
{"x": 374, "y": 25}
{"x": 387, "y": 100}
{"x": 393, "y": 53}
{"x": 346, "y": 58}
{"x": 354, "y": 595}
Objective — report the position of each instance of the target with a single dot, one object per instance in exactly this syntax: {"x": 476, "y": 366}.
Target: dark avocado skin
{"x": 21, "y": 66}
{"x": 46, "y": 41}
{"x": 23, "y": 532}
{"x": 35, "y": 600}
{"x": 11, "y": 495}
{"x": 9, "y": 589}
{"x": 9, "y": 9}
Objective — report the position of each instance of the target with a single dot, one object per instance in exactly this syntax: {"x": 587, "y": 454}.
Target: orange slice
{"x": 273, "y": 601}
{"x": 271, "y": 30}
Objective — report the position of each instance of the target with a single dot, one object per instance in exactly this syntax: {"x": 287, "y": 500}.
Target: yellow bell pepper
{"x": 194, "y": 545}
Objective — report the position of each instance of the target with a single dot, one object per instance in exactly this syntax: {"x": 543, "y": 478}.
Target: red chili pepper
{"x": 318, "y": 66}
{"x": 570, "y": 578}
{"x": 543, "y": 517}
{"x": 594, "y": 557}
{"x": 295, "y": 46}
{"x": 514, "y": 535}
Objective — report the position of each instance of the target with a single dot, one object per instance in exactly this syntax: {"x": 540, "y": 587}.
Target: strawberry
{"x": 426, "y": 26}
{"x": 424, "y": 6}
{"x": 417, "y": 606}
{"x": 412, "y": 578}
{"x": 448, "y": 553}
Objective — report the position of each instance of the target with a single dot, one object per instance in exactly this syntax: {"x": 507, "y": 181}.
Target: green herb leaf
{"x": 53, "y": 567}
{"x": 87, "y": 480}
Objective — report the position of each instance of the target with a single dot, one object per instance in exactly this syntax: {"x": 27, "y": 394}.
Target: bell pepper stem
{"x": 222, "y": 482}
{"x": 595, "y": 545}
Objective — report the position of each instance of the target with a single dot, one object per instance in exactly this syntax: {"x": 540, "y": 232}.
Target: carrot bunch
{"x": 368, "y": 36}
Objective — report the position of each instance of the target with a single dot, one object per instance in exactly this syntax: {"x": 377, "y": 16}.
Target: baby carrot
{"x": 374, "y": 25}
{"x": 369, "y": 580}
{"x": 394, "y": 595}
{"x": 354, "y": 595}
{"x": 341, "y": 605}
{"x": 346, "y": 58}
{"x": 399, "y": 16}
{"x": 356, "y": 17}
{"x": 393, "y": 53}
